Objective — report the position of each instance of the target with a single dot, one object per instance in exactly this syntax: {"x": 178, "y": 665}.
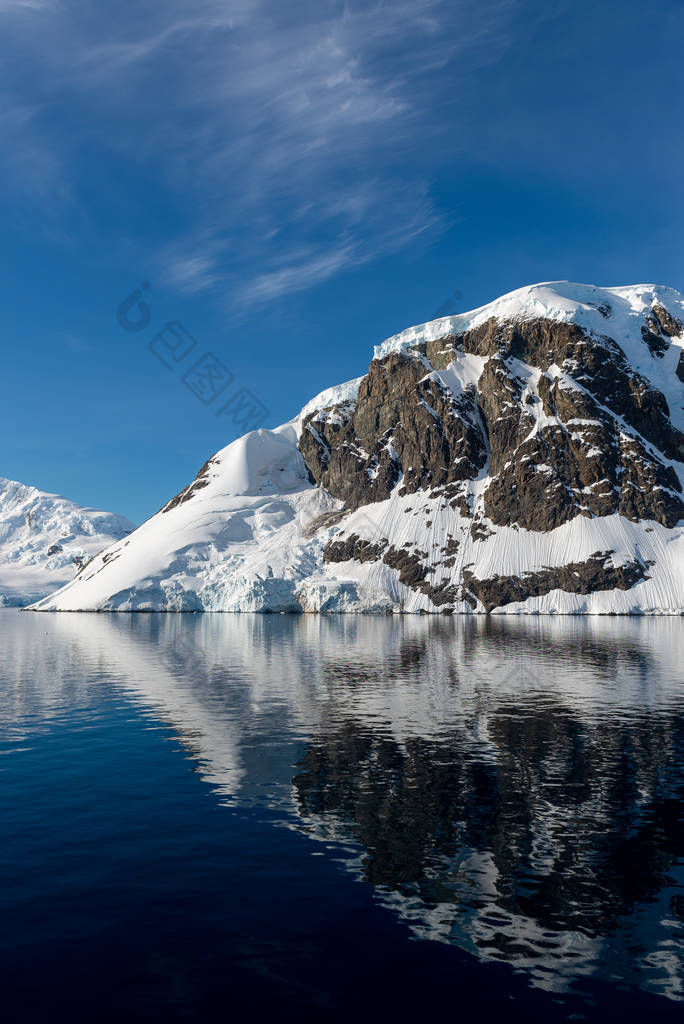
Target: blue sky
{"x": 295, "y": 182}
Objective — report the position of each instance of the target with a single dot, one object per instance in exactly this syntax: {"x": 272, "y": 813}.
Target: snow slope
{"x": 45, "y": 539}
{"x": 250, "y": 533}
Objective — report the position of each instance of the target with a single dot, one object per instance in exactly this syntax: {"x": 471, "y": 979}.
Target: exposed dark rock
{"x": 443, "y": 351}
{"x": 598, "y": 449}
{"x": 657, "y": 344}
{"x": 669, "y": 325}
{"x": 480, "y": 531}
{"x": 584, "y": 465}
{"x": 412, "y": 571}
{"x": 597, "y": 364}
{"x": 597, "y": 573}
{"x": 354, "y": 548}
{"x": 406, "y": 421}
{"x": 648, "y": 488}
{"x": 451, "y": 547}
{"x": 322, "y": 522}
{"x": 659, "y": 328}
{"x": 442, "y": 595}
{"x": 54, "y": 549}
{"x": 680, "y": 367}
{"x": 411, "y": 565}
{"x": 200, "y": 481}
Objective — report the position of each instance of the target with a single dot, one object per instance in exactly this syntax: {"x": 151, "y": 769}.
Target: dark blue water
{"x": 227, "y": 817}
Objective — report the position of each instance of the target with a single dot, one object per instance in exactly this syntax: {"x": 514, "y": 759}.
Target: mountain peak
{"x": 617, "y": 309}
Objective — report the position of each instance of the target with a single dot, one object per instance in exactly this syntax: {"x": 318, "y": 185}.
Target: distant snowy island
{"x": 524, "y": 457}
{"x": 46, "y": 539}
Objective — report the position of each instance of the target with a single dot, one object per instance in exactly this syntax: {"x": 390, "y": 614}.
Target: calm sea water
{"x": 227, "y": 817}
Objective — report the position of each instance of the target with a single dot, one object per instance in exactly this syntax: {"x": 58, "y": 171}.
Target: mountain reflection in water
{"x": 509, "y": 786}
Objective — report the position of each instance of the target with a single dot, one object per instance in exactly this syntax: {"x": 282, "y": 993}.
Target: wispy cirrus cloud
{"x": 17, "y": 6}
{"x": 272, "y": 130}
{"x": 301, "y": 271}
{"x": 192, "y": 263}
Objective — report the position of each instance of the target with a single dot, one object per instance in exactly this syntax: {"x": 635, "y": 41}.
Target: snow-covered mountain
{"x": 45, "y": 539}
{"x": 527, "y": 456}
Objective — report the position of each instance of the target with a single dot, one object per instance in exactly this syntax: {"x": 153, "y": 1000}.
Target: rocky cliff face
{"x": 561, "y": 422}
{"x": 526, "y": 456}
{"x": 558, "y": 424}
